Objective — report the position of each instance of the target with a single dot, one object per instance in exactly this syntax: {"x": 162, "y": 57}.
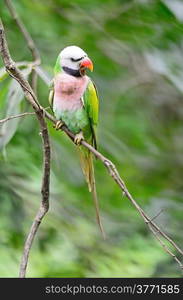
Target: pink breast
{"x": 69, "y": 91}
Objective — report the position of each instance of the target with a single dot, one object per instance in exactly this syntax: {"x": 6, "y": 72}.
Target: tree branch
{"x": 16, "y": 116}
{"x": 31, "y": 98}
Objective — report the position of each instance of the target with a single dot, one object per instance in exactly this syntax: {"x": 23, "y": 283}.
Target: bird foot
{"x": 58, "y": 125}
{"x": 78, "y": 138}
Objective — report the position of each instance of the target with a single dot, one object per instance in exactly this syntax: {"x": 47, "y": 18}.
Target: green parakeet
{"x": 74, "y": 101}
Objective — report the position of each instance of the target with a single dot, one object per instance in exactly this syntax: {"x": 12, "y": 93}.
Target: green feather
{"x": 76, "y": 120}
{"x": 57, "y": 68}
{"x": 91, "y": 104}
{"x": 51, "y": 95}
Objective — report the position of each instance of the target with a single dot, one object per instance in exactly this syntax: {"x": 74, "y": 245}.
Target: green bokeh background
{"x": 136, "y": 47}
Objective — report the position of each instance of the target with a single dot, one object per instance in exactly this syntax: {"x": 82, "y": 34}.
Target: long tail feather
{"x": 88, "y": 171}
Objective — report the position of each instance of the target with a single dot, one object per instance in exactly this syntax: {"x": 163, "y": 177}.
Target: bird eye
{"x": 76, "y": 59}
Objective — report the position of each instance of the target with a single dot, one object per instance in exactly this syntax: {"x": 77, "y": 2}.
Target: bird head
{"x": 74, "y": 60}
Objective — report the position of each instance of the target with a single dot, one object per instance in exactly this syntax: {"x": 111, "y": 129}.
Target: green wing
{"x": 91, "y": 104}
{"x": 51, "y": 95}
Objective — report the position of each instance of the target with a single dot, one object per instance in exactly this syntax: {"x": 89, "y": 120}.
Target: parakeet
{"x": 75, "y": 103}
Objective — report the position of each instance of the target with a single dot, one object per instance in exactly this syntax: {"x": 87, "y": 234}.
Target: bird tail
{"x": 86, "y": 160}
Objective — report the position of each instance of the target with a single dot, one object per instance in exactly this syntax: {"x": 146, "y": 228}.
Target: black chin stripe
{"x": 72, "y": 72}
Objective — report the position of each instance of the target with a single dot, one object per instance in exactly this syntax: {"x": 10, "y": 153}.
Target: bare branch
{"x": 165, "y": 247}
{"x": 31, "y": 98}
{"x": 16, "y": 116}
{"x": 157, "y": 215}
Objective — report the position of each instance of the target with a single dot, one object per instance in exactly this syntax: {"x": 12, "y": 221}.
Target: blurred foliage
{"x": 136, "y": 47}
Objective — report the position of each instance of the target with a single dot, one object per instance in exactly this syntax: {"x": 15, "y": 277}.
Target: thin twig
{"x": 157, "y": 215}
{"x": 165, "y": 247}
{"x": 31, "y": 98}
{"x": 16, "y": 116}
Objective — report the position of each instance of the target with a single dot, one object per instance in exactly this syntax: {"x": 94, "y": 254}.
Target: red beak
{"x": 87, "y": 63}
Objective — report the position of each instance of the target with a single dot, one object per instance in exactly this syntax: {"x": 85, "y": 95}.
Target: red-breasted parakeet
{"x": 74, "y": 101}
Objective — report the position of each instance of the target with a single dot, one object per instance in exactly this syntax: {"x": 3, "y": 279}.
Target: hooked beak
{"x": 86, "y": 63}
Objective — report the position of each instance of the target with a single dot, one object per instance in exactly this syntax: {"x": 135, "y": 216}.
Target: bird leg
{"x": 58, "y": 125}
{"x": 78, "y": 138}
